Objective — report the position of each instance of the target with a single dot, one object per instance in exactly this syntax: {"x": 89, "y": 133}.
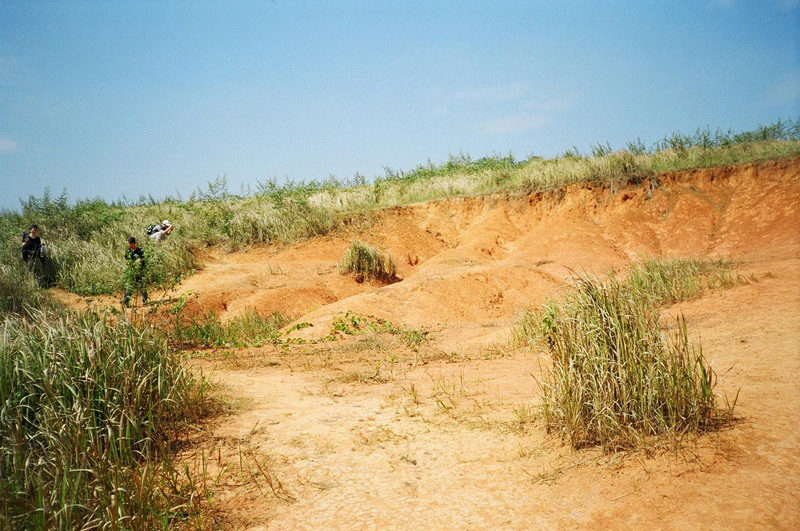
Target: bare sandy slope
{"x": 368, "y": 434}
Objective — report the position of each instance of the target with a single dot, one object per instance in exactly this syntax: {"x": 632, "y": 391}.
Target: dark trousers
{"x": 136, "y": 285}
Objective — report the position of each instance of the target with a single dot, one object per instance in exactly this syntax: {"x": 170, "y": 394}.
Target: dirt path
{"x": 369, "y": 434}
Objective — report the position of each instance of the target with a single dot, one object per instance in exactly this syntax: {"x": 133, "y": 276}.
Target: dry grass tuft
{"x": 366, "y": 262}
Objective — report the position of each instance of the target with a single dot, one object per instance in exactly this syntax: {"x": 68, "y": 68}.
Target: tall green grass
{"x": 88, "y": 409}
{"x": 19, "y": 292}
{"x": 665, "y": 281}
{"x": 86, "y": 242}
{"x": 617, "y": 377}
{"x": 261, "y": 220}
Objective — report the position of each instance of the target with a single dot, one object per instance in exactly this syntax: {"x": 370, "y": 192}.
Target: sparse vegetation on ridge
{"x": 87, "y": 238}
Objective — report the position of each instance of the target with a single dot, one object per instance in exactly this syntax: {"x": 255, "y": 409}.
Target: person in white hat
{"x": 162, "y": 231}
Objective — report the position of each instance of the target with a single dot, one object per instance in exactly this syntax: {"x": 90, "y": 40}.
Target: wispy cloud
{"x": 7, "y": 146}
{"x": 550, "y": 103}
{"x": 510, "y": 108}
{"x": 787, "y": 91}
{"x": 478, "y": 96}
{"x": 497, "y": 93}
{"x": 786, "y": 5}
{"x": 513, "y": 124}
{"x": 536, "y": 111}
{"x": 782, "y": 5}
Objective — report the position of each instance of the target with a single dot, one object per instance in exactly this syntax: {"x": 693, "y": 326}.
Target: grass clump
{"x": 367, "y": 262}
{"x": 352, "y": 324}
{"x": 617, "y": 378}
{"x": 89, "y": 407}
{"x": 667, "y": 281}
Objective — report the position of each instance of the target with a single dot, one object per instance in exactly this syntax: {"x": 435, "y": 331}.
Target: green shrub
{"x": 367, "y": 262}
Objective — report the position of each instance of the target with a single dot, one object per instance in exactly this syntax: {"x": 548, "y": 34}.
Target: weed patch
{"x": 248, "y": 330}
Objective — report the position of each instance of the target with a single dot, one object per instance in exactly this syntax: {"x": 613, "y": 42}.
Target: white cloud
{"x": 7, "y": 146}
{"x": 477, "y": 97}
{"x": 786, "y": 91}
{"x": 517, "y": 93}
{"x": 513, "y": 124}
{"x": 549, "y": 103}
{"x": 509, "y": 108}
{"x": 782, "y": 5}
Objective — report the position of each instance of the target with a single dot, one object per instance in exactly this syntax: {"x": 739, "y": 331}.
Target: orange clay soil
{"x": 367, "y": 432}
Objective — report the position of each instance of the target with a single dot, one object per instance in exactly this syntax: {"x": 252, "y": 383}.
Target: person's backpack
{"x": 153, "y": 228}
{"x": 25, "y": 252}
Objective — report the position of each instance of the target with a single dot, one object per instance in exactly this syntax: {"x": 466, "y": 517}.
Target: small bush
{"x": 367, "y": 262}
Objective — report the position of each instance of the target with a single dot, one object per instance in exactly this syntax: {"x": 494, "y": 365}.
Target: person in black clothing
{"x": 31, "y": 243}
{"x": 134, "y": 276}
{"x": 33, "y": 253}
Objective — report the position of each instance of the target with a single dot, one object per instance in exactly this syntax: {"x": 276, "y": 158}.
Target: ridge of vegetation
{"x": 86, "y": 239}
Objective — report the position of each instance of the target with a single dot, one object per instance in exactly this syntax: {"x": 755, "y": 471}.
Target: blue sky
{"x": 130, "y": 98}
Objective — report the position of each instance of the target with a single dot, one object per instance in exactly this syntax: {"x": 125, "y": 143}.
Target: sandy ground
{"x": 368, "y": 433}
